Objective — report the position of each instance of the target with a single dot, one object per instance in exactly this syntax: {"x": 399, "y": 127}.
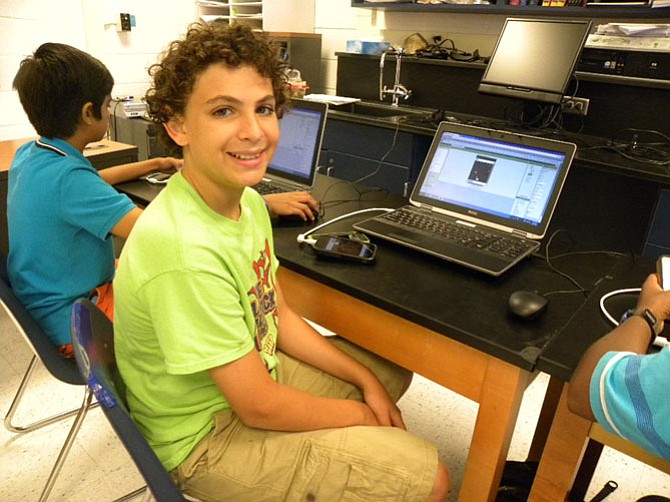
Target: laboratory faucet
{"x": 398, "y": 90}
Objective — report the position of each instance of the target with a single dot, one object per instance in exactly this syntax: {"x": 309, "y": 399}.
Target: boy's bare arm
{"x": 631, "y": 336}
{"x": 127, "y": 172}
{"x": 262, "y": 403}
{"x": 299, "y": 340}
{"x": 125, "y": 225}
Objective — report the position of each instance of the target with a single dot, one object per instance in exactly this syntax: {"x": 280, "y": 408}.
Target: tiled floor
{"x": 98, "y": 468}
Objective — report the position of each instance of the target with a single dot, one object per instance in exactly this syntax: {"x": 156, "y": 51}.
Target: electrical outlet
{"x": 123, "y": 23}
{"x": 575, "y": 106}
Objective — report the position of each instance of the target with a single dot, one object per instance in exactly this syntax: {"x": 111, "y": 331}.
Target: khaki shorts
{"x": 362, "y": 464}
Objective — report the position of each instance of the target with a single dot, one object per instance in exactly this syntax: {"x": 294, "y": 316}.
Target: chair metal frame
{"x": 93, "y": 341}
{"x": 60, "y": 368}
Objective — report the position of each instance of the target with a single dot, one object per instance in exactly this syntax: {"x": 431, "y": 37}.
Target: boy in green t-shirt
{"x": 238, "y": 395}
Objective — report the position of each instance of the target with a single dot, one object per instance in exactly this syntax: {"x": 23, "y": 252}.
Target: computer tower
{"x": 136, "y": 131}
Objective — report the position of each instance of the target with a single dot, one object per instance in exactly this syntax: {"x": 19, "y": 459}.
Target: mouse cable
{"x": 304, "y": 237}
{"x": 660, "y": 341}
{"x": 611, "y": 294}
{"x": 551, "y": 266}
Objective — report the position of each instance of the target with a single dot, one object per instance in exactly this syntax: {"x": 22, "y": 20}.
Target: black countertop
{"x": 588, "y": 324}
{"x": 465, "y": 305}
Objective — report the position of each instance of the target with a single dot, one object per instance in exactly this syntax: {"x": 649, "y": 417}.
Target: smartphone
{"x": 342, "y": 247}
{"x": 663, "y": 271}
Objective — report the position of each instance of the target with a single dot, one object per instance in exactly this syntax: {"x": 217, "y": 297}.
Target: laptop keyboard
{"x": 265, "y": 188}
{"x": 474, "y": 238}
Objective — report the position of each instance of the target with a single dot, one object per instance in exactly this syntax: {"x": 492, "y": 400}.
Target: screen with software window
{"x": 514, "y": 182}
{"x": 534, "y": 59}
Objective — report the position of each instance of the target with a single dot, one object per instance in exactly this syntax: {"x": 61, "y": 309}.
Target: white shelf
{"x": 232, "y": 11}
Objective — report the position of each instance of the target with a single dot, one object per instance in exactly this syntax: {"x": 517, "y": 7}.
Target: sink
{"x": 375, "y": 110}
{"x": 379, "y": 110}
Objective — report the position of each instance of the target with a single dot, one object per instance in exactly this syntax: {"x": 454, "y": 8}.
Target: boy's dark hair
{"x": 204, "y": 45}
{"x": 55, "y": 83}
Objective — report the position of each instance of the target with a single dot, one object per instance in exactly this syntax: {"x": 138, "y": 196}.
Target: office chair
{"x": 60, "y": 368}
{"x": 93, "y": 340}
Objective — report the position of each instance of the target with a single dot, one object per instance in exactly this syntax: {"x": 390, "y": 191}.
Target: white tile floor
{"x": 98, "y": 468}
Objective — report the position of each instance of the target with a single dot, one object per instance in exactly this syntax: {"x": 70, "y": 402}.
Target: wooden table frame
{"x": 496, "y": 385}
{"x": 565, "y": 447}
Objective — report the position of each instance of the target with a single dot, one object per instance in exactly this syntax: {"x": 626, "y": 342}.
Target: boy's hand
{"x": 653, "y": 297}
{"x": 168, "y": 164}
{"x": 292, "y": 203}
{"x": 385, "y": 410}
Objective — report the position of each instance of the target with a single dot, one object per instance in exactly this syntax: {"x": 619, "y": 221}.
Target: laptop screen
{"x": 500, "y": 177}
{"x": 301, "y": 132}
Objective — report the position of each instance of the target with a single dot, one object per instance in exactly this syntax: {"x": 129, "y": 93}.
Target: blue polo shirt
{"x": 630, "y": 398}
{"x": 60, "y": 213}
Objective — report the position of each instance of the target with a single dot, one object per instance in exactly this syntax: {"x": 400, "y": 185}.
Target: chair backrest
{"x": 93, "y": 340}
{"x": 61, "y": 368}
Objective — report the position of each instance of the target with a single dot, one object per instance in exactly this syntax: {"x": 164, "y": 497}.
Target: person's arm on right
{"x": 630, "y": 336}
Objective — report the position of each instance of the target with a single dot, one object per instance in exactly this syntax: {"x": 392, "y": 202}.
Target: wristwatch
{"x": 649, "y": 317}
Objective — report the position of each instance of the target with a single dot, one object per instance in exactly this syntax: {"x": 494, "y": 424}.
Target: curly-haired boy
{"x": 240, "y": 398}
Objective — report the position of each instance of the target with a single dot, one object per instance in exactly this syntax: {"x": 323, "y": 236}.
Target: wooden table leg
{"x": 544, "y": 421}
{"x": 562, "y": 454}
{"x": 499, "y": 405}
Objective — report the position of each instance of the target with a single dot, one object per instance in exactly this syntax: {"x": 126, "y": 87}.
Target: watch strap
{"x": 650, "y": 319}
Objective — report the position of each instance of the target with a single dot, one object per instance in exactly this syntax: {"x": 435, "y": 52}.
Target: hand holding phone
{"x": 663, "y": 272}
{"x": 334, "y": 246}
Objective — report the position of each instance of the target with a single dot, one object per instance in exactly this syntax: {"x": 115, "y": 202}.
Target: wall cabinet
{"x": 629, "y": 11}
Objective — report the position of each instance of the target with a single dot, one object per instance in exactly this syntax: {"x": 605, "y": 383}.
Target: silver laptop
{"x": 294, "y": 164}
{"x": 484, "y": 197}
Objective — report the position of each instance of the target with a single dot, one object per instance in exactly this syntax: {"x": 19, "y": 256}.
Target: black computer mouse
{"x": 527, "y": 304}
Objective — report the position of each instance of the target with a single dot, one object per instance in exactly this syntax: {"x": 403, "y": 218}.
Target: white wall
{"x": 23, "y": 26}
{"x": 88, "y": 25}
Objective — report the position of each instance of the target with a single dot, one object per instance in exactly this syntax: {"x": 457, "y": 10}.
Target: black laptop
{"x": 294, "y": 164}
{"x": 484, "y": 197}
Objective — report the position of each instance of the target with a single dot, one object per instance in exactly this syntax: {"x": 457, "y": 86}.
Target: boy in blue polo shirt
{"x": 61, "y": 212}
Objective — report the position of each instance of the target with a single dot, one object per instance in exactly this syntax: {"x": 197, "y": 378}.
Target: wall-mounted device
{"x": 534, "y": 59}
{"x": 123, "y": 23}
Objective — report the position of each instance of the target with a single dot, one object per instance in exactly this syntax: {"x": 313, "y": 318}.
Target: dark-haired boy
{"x": 61, "y": 212}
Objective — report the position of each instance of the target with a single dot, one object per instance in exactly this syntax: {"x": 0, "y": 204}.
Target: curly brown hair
{"x": 206, "y": 44}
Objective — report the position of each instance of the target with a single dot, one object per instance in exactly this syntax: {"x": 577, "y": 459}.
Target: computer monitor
{"x": 534, "y": 59}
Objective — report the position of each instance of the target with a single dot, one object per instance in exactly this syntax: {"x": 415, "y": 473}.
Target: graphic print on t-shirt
{"x": 263, "y": 300}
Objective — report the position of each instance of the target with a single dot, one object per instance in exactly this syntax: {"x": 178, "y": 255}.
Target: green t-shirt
{"x": 194, "y": 290}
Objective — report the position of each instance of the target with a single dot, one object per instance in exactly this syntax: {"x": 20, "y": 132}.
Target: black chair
{"x": 62, "y": 369}
{"x": 93, "y": 340}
